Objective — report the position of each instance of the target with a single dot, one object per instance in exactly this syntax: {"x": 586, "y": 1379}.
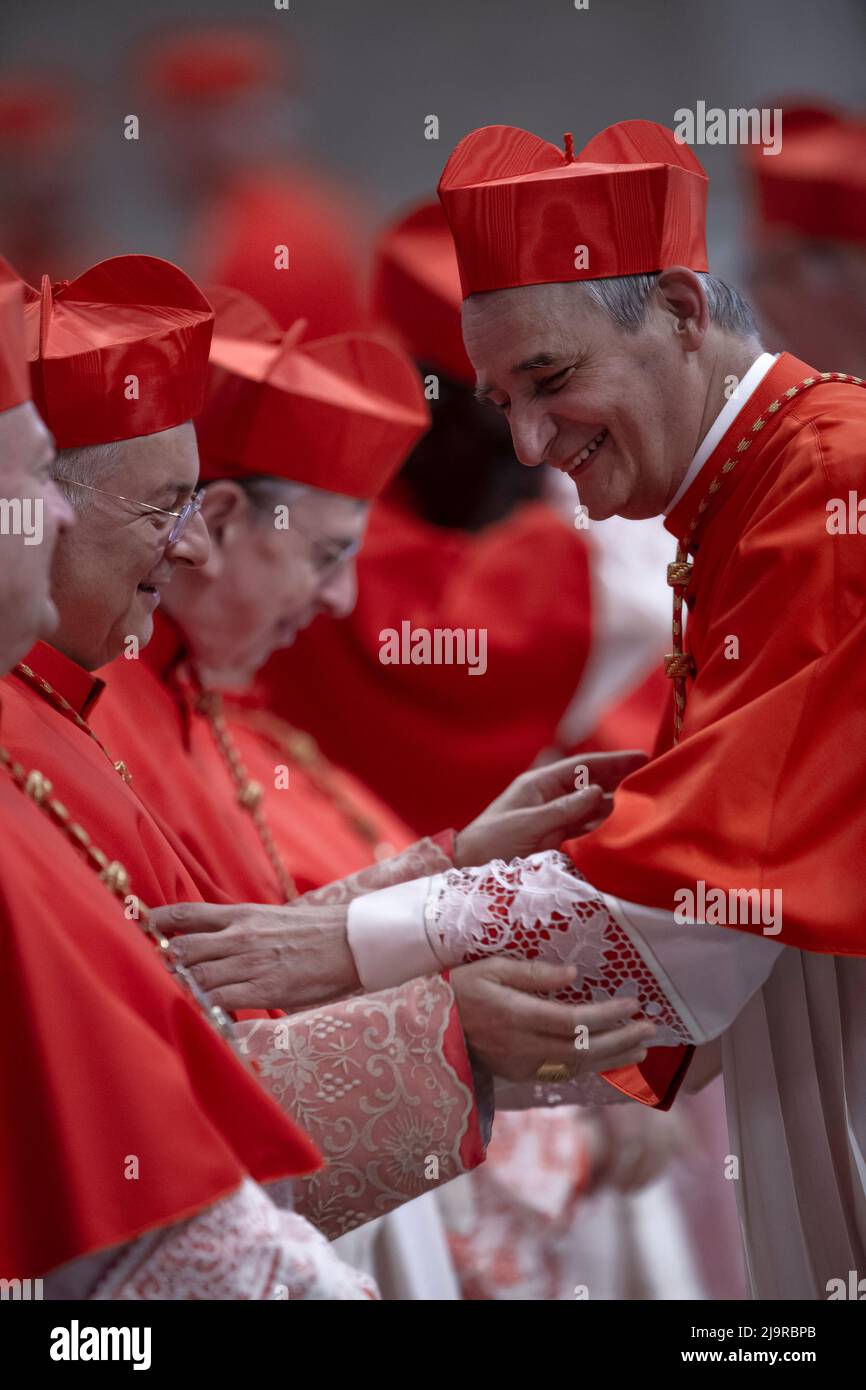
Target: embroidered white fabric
{"x": 419, "y": 860}
{"x": 543, "y": 908}
{"x": 243, "y": 1247}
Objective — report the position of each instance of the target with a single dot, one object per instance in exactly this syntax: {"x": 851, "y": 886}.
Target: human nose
{"x": 532, "y": 435}
{"x": 193, "y": 545}
{"x": 339, "y": 593}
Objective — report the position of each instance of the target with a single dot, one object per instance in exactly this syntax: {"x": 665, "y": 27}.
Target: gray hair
{"x": 265, "y": 492}
{"x": 92, "y": 465}
{"x": 624, "y": 298}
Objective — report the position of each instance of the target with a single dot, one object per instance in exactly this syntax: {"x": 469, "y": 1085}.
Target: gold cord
{"x": 678, "y": 664}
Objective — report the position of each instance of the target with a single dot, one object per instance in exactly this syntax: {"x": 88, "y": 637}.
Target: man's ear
{"x": 224, "y": 510}
{"x": 681, "y": 294}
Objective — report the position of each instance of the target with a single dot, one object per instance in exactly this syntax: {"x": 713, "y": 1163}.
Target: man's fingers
{"x": 234, "y": 970}
{"x": 566, "y": 815}
{"x": 194, "y": 917}
{"x": 637, "y": 1034}
{"x": 609, "y": 769}
{"x": 235, "y": 997}
{"x": 216, "y": 945}
{"x": 531, "y": 976}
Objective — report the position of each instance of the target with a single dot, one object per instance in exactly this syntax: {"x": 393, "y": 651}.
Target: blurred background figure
{"x": 42, "y": 135}
{"x": 808, "y": 272}
{"x": 255, "y": 212}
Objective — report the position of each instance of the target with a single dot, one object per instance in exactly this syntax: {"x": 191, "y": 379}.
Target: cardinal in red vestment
{"x": 142, "y": 1134}
{"x": 724, "y": 894}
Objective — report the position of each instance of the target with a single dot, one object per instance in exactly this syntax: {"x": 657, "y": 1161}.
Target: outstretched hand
{"x": 542, "y": 807}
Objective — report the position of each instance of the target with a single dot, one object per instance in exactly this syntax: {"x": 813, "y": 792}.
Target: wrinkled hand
{"x": 633, "y": 1145}
{"x": 541, "y": 808}
{"x": 250, "y": 956}
{"x": 512, "y": 1030}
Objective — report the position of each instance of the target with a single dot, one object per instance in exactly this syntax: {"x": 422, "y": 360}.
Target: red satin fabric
{"x": 105, "y": 1057}
{"x": 765, "y": 789}
{"x": 436, "y": 743}
{"x": 161, "y": 865}
{"x": 128, "y": 317}
{"x": 519, "y": 209}
{"x": 340, "y": 414}
{"x": 148, "y": 711}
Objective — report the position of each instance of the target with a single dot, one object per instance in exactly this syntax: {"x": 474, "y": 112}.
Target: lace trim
{"x": 420, "y": 860}
{"x": 241, "y": 1248}
{"x": 543, "y": 908}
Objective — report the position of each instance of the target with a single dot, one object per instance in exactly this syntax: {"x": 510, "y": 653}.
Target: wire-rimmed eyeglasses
{"x": 182, "y": 518}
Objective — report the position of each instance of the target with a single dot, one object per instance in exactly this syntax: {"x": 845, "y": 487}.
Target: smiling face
{"x": 619, "y": 411}
{"x": 110, "y": 570}
{"x": 27, "y": 610}
{"x": 265, "y": 581}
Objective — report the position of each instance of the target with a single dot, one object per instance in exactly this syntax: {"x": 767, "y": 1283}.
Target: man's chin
{"x": 49, "y": 621}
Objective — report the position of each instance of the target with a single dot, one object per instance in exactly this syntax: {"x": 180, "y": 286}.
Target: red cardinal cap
{"x": 35, "y": 110}
{"x": 204, "y": 66}
{"x": 119, "y": 352}
{"x": 339, "y": 413}
{"x": 816, "y": 185}
{"x": 14, "y": 377}
{"x": 416, "y": 290}
{"x": 520, "y": 209}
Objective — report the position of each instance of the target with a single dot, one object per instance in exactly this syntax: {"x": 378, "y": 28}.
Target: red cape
{"x": 765, "y": 788}
{"x": 106, "y": 1058}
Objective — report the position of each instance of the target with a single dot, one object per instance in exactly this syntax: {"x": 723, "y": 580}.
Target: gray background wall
{"x": 375, "y": 68}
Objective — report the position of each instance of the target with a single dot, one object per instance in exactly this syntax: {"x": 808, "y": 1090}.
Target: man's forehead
{"x": 331, "y": 508}
{"x": 516, "y": 331}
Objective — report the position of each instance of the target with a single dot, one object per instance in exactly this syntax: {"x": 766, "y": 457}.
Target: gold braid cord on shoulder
{"x": 29, "y": 677}
{"x": 38, "y": 788}
{"x": 678, "y": 664}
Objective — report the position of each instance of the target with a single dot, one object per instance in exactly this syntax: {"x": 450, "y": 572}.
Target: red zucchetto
{"x": 521, "y": 211}
{"x": 816, "y": 185}
{"x": 340, "y": 413}
{"x": 416, "y": 290}
{"x": 14, "y": 379}
{"x": 119, "y": 352}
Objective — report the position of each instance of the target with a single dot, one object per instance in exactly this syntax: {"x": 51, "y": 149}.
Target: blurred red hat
{"x": 14, "y": 377}
{"x": 416, "y": 290}
{"x": 119, "y": 352}
{"x": 35, "y": 109}
{"x": 816, "y": 185}
{"x": 519, "y": 208}
{"x": 210, "y": 64}
{"x": 340, "y": 414}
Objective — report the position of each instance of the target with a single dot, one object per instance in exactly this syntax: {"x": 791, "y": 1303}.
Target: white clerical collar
{"x": 723, "y": 421}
